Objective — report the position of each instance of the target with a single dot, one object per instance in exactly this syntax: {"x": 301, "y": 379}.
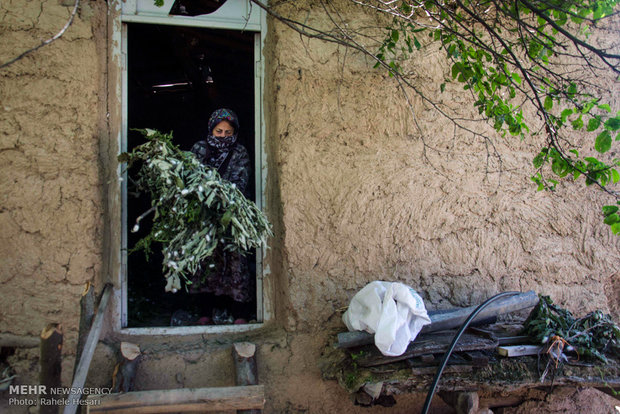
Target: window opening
{"x": 177, "y": 76}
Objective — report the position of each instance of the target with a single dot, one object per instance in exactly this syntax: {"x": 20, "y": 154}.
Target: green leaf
{"x": 565, "y": 114}
{"x": 613, "y": 124}
{"x": 416, "y": 43}
{"x": 395, "y": 35}
{"x": 611, "y": 219}
{"x": 605, "y": 107}
{"x": 442, "y": 87}
{"x": 615, "y": 228}
{"x": 615, "y": 176}
{"x": 603, "y": 142}
{"x": 572, "y": 90}
{"x": 577, "y": 123}
{"x": 548, "y": 104}
{"x": 226, "y": 218}
{"x": 538, "y": 160}
{"x": 159, "y": 3}
{"x": 456, "y": 68}
{"x": 593, "y": 124}
{"x": 516, "y": 78}
{"x": 559, "y": 167}
{"x": 609, "y": 210}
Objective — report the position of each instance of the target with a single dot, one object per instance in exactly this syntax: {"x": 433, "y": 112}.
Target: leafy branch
{"x": 512, "y": 56}
{"x": 593, "y": 335}
{"x": 195, "y": 210}
{"x": 504, "y": 51}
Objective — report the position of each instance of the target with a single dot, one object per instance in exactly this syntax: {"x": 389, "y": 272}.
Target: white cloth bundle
{"x": 392, "y": 311}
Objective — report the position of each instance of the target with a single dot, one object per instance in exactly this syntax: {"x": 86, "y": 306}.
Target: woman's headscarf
{"x": 219, "y": 115}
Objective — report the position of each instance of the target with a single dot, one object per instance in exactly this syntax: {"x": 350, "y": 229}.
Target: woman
{"x": 220, "y": 150}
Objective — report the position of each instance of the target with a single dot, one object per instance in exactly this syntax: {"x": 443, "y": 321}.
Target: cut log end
{"x": 245, "y": 349}
{"x": 50, "y": 330}
{"x": 87, "y": 288}
{"x": 130, "y": 351}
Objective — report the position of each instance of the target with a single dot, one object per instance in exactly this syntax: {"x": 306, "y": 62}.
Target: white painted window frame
{"x": 234, "y": 15}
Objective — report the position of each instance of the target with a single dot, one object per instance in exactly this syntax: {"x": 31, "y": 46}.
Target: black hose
{"x": 444, "y": 361}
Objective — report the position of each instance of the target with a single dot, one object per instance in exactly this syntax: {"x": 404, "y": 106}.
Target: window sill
{"x": 192, "y": 330}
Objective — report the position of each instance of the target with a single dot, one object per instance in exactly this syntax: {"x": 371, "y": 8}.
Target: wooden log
{"x": 179, "y": 401}
{"x": 442, "y": 320}
{"x": 244, "y": 357}
{"x": 125, "y": 371}
{"x": 50, "y": 361}
{"x": 462, "y": 402}
{"x": 87, "y": 313}
{"x": 17, "y": 341}
{"x": 87, "y": 355}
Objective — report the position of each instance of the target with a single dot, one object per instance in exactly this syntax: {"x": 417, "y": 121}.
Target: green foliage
{"x": 195, "y": 210}
{"x": 594, "y": 335}
{"x": 507, "y": 54}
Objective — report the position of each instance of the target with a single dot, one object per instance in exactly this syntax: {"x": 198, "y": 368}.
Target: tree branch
{"x": 48, "y": 41}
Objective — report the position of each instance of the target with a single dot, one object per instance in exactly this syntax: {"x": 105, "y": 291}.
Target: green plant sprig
{"x": 594, "y": 335}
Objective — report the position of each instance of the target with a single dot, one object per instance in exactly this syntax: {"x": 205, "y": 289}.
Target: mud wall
{"x": 368, "y": 192}
{"x": 50, "y": 198}
{"x": 356, "y": 191}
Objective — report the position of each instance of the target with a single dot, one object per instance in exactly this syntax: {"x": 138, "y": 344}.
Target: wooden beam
{"x": 442, "y": 320}
{"x": 182, "y": 400}
{"x": 17, "y": 341}
{"x": 87, "y": 354}
{"x": 125, "y": 371}
{"x": 434, "y": 343}
{"x": 50, "y": 361}
{"x": 246, "y": 373}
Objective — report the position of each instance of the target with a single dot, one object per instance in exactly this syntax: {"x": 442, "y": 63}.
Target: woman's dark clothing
{"x": 230, "y": 276}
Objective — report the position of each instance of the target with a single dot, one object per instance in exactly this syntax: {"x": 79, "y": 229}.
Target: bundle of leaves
{"x": 195, "y": 210}
{"x": 594, "y": 335}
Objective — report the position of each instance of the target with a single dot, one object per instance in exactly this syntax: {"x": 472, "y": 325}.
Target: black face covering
{"x": 221, "y": 143}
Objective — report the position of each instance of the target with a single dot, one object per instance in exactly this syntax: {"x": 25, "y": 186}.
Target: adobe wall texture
{"x": 50, "y": 202}
{"x": 368, "y": 195}
{"x": 357, "y": 192}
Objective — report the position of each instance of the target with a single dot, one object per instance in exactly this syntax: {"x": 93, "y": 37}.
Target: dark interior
{"x": 177, "y": 76}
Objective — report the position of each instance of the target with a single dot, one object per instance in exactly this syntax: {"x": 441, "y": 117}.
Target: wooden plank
{"x": 184, "y": 400}
{"x": 519, "y": 350}
{"x": 87, "y": 354}
{"x": 449, "y": 369}
{"x": 442, "y": 320}
{"x": 434, "y": 343}
{"x": 87, "y": 313}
